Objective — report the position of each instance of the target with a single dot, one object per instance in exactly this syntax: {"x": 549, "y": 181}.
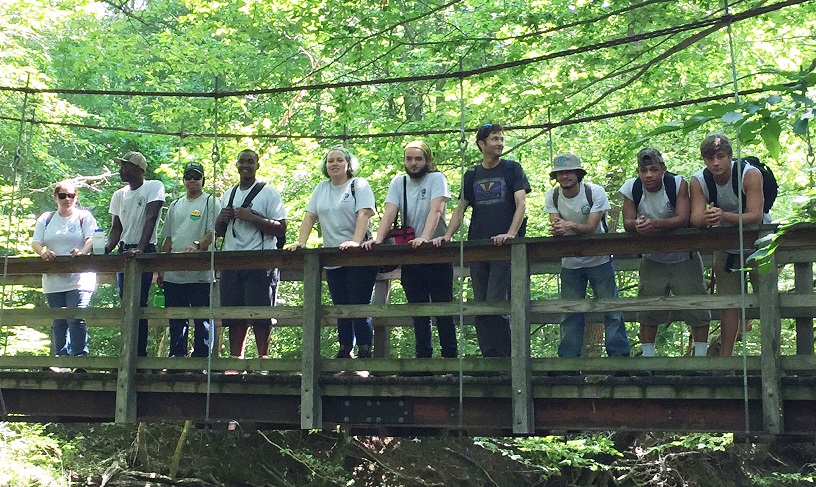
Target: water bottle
{"x": 99, "y": 241}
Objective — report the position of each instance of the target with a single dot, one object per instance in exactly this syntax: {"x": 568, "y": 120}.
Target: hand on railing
{"x": 501, "y": 238}
{"x": 368, "y": 244}
{"x": 438, "y": 241}
{"x": 349, "y": 244}
{"x": 48, "y": 255}
{"x": 415, "y": 243}
{"x": 294, "y": 246}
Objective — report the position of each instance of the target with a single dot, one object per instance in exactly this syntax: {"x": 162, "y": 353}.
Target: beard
{"x": 419, "y": 173}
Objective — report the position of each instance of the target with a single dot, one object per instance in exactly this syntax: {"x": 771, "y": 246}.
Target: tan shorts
{"x": 728, "y": 282}
{"x": 680, "y": 279}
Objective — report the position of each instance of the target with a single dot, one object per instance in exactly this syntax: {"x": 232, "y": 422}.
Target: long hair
{"x": 426, "y": 151}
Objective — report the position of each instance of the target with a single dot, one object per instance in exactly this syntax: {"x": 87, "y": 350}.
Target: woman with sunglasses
{"x": 67, "y": 231}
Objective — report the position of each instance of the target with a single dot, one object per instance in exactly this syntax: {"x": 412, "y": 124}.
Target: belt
{"x": 149, "y": 249}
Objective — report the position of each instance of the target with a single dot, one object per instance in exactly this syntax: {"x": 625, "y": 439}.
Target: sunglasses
{"x": 192, "y": 176}
{"x": 62, "y": 196}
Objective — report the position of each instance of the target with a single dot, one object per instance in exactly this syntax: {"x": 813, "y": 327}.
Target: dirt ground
{"x": 116, "y": 455}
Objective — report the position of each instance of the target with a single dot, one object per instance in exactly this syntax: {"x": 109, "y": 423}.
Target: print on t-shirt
{"x": 489, "y": 191}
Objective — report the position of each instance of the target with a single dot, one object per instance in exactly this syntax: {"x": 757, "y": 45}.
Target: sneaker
{"x": 345, "y": 352}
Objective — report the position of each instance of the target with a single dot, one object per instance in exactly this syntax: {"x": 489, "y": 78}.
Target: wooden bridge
{"x": 523, "y": 395}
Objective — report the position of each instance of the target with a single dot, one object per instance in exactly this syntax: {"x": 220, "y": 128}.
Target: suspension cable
{"x": 14, "y": 167}
{"x": 741, "y": 225}
{"x": 462, "y": 143}
{"x": 216, "y": 158}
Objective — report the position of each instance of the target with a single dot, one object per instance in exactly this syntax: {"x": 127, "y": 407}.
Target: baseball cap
{"x": 649, "y": 156}
{"x": 566, "y": 162}
{"x": 133, "y": 157}
{"x": 194, "y": 167}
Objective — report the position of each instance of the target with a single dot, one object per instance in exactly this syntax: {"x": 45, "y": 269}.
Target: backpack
{"x": 281, "y": 241}
{"x": 509, "y": 178}
{"x": 668, "y": 182}
{"x": 588, "y": 195}
{"x": 770, "y": 188}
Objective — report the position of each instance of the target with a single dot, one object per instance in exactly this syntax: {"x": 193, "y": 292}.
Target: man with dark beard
{"x": 420, "y": 197}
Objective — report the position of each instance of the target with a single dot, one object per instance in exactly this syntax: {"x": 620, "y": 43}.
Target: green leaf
{"x": 731, "y": 118}
{"x": 770, "y": 136}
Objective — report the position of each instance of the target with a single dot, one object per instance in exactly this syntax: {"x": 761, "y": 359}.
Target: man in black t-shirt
{"x": 497, "y": 190}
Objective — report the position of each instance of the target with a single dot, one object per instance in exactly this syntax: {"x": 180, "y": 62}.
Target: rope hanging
{"x": 741, "y": 225}
{"x": 216, "y": 158}
{"x": 462, "y": 144}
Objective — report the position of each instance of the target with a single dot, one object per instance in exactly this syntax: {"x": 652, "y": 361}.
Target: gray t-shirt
{"x": 420, "y": 194}
{"x": 336, "y": 208}
{"x": 656, "y": 206}
{"x": 60, "y": 236}
{"x": 577, "y": 209}
{"x": 187, "y": 221}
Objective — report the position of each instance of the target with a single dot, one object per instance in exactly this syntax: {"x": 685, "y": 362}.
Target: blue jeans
{"x": 352, "y": 285}
{"x": 194, "y": 294}
{"x": 574, "y": 286}
{"x": 147, "y": 279}
{"x": 491, "y": 282}
{"x": 69, "y": 337}
{"x": 431, "y": 283}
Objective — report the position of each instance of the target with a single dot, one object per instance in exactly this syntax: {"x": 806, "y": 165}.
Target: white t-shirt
{"x": 419, "y": 196}
{"x": 336, "y": 208}
{"x": 129, "y": 205}
{"x": 726, "y": 199}
{"x": 187, "y": 221}
{"x": 656, "y": 206}
{"x": 62, "y": 235}
{"x": 577, "y": 209}
{"x": 241, "y": 235}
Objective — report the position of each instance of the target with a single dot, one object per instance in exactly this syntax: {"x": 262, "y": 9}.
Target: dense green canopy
{"x": 292, "y": 78}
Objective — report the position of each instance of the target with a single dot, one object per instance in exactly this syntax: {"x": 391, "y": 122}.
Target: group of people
{"x": 251, "y": 216}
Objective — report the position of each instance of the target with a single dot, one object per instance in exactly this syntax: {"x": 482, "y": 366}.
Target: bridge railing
{"x": 528, "y": 256}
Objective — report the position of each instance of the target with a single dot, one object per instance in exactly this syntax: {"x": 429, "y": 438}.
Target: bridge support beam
{"x": 523, "y": 414}
{"x": 126, "y": 377}
{"x": 803, "y": 272}
{"x": 311, "y": 410}
{"x": 770, "y": 360}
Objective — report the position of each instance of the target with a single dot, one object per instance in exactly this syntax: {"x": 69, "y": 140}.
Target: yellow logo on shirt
{"x": 195, "y": 215}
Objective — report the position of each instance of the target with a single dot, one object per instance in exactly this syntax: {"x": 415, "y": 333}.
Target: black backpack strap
{"x": 711, "y": 185}
{"x": 49, "y": 218}
{"x": 467, "y": 184}
{"x": 670, "y": 185}
{"x": 404, "y": 201}
{"x": 556, "y": 194}
{"x": 637, "y": 192}
{"x": 588, "y": 194}
{"x": 252, "y": 194}
{"x": 232, "y": 197}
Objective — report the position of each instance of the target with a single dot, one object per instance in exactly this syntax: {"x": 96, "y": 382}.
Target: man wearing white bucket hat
{"x": 576, "y": 208}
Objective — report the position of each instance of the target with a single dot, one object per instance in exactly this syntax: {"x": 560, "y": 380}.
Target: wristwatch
{"x": 197, "y": 244}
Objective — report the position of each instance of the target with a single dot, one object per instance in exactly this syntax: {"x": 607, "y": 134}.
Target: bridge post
{"x": 803, "y": 279}
{"x": 311, "y": 406}
{"x": 770, "y": 360}
{"x": 126, "y": 376}
{"x": 382, "y": 333}
{"x": 523, "y": 411}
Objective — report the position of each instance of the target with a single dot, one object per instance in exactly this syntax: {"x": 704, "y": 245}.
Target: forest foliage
{"x": 82, "y": 81}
